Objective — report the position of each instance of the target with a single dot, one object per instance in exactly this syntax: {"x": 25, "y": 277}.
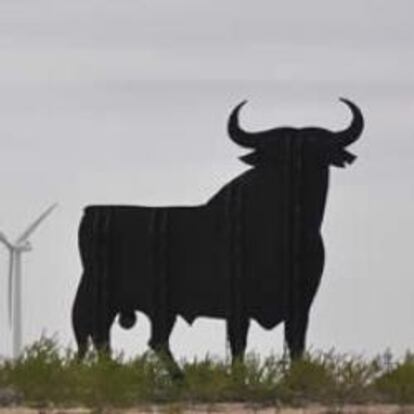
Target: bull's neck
{"x": 307, "y": 191}
{"x": 303, "y": 188}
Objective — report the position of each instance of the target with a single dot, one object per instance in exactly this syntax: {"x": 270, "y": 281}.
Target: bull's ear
{"x": 253, "y": 158}
{"x": 341, "y": 158}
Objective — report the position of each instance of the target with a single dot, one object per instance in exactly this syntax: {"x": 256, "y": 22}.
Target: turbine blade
{"x": 10, "y": 287}
{"x": 25, "y": 235}
{"x": 4, "y": 240}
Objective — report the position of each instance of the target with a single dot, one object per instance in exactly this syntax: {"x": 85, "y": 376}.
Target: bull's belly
{"x": 188, "y": 259}
{"x": 206, "y": 292}
{"x": 269, "y": 312}
{"x": 262, "y": 298}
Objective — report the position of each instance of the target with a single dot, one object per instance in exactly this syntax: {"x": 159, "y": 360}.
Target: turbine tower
{"x": 16, "y": 249}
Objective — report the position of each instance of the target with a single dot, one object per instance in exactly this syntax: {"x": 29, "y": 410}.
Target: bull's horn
{"x": 237, "y": 135}
{"x": 248, "y": 139}
{"x": 352, "y": 133}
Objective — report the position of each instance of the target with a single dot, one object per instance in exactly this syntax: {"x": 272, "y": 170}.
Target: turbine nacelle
{"x": 23, "y": 246}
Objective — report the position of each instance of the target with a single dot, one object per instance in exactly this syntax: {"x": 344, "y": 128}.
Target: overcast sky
{"x": 126, "y": 101}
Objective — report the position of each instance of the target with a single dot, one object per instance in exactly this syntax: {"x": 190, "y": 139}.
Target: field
{"x": 48, "y": 376}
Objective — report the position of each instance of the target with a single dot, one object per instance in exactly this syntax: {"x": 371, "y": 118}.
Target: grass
{"x": 47, "y": 375}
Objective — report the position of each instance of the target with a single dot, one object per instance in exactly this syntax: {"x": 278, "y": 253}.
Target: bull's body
{"x": 253, "y": 251}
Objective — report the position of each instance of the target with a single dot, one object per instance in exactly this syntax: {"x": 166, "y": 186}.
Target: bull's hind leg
{"x": 83, "y": 323}
{"x": 159, "y": 343}
{"x": 101, "y": 337}
{"x": 82, "y": 317}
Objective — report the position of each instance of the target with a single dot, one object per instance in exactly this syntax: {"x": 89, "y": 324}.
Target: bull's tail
{"x": 127, "y": 319}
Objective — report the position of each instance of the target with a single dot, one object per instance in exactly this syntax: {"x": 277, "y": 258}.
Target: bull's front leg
{"x": 237, "y": 331}
{"x": 301, "y": 294}
{"x": 295, "y": 334}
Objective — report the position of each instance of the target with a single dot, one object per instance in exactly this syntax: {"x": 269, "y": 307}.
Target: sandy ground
{"x": 221, "y": 408}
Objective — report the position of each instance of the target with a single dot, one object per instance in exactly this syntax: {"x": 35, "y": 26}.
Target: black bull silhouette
{"x": 254, "y": 250}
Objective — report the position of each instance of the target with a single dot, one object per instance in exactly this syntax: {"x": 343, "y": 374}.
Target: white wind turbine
{"x": 16, "y": 249}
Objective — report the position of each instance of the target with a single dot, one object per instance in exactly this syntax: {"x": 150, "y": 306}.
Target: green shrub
{"x": 309, "y": 379}
{"x": 48, "y": 375}
{"x": 397, "y": 384}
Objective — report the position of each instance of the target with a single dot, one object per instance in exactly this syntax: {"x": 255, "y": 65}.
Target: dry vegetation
{"x": 47, "y": 375}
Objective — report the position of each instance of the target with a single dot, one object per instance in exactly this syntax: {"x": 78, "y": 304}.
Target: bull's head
{"x": 322, "y": 146}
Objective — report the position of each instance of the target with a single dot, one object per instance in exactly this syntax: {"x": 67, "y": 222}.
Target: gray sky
{"x": 127, "y": 102}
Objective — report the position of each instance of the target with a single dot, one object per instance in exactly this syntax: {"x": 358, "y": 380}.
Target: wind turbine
{"x": 16, "y": 249}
